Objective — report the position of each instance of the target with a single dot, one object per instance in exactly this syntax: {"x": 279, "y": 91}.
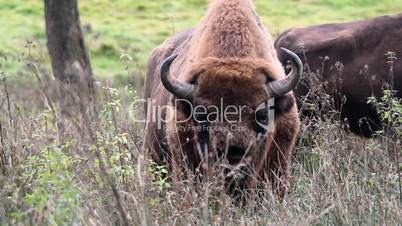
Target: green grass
{"x": 136, "y": 27}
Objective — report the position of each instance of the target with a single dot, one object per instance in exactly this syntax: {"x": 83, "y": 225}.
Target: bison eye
{"x": 261, "y": 120}
{"x": 185, "y": 107}
{"x": 200, "y": 114}
{"x": 200, "y": 118}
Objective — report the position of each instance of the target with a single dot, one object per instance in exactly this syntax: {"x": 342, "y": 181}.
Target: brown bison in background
{"x": 228, "y": 60}
{"x": 360, "y": 47}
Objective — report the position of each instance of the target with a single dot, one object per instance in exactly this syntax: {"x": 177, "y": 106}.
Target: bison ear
{"x": 195, "y": 74}
{"x": 267, "y": 74}
{"x": 283, "y": 104}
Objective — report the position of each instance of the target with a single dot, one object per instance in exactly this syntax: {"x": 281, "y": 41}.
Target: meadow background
{"x": 100, "y": 175}
{"x": 136, "y": 27}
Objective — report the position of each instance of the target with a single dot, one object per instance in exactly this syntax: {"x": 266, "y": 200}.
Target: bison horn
{"x": 281, "y": 87}
{"x": 178, "y": 88}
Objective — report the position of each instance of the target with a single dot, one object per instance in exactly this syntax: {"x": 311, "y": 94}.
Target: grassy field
{"x": 89, "y": 168}
{"x": 136, "y": 27}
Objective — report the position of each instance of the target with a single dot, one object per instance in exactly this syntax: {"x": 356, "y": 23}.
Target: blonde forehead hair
{"x": 237, "y": 67}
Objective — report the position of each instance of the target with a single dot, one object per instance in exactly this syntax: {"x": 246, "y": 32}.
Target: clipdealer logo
{"x": 229, "y": 117}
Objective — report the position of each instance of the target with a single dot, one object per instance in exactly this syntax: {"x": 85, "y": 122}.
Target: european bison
{"x": 207, "y": 88}
{"x": 360, "y": 47}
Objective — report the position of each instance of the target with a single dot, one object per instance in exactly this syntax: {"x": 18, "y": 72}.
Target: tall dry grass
{"x": 72, "y": 163}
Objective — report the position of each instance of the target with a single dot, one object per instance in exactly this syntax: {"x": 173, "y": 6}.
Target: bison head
{"x": 227, "y": 106}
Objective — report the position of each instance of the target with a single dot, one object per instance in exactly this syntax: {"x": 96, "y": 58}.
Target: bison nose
{"x": 235, "y": 154}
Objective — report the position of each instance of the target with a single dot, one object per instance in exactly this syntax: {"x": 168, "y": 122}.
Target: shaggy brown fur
{"x": 230, "y": 56}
